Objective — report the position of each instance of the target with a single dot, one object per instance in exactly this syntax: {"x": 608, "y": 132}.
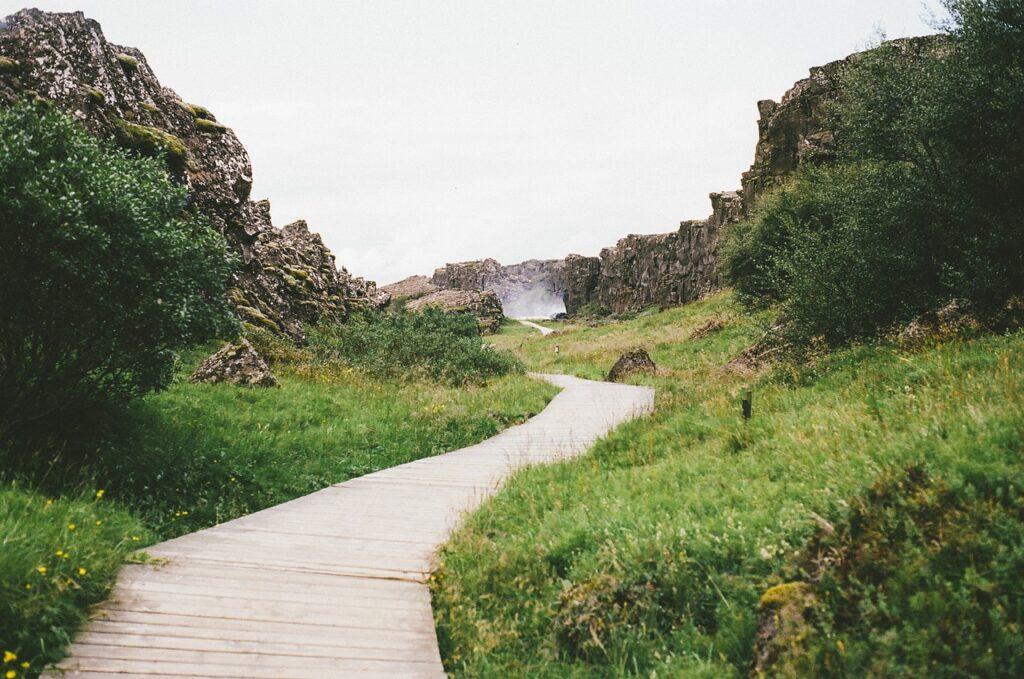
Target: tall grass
{"x": 651, "y": 555}
{"x": 198, "y": 454}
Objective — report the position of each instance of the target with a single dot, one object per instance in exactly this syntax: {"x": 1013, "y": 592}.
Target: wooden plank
{"x": 331, "y": 584}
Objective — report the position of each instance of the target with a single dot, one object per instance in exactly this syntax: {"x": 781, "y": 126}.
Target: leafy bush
{"x": 430, "y": 344}
{"x": 103, "y": 273}
{"x": 924, "y": 203}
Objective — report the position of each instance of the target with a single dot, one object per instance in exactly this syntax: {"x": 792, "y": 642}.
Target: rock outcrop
{"x": 236, "y": 363}
{"x": 534, "y": 288}
{"x": 289, "y": 277}
{"x": 794, "y": 130}
{"x": 409, "y": 288}
{"x": 634, "y": 362}
{"x": 485, "y": 305}
{"x": 661, "y": 269}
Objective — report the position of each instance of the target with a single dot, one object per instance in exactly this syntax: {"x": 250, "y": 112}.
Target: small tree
{"x": 103, "y": 271}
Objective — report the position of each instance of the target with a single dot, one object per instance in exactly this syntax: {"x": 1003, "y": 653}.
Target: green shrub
{"x": 432, "y": 344}
{"x": 104, "y": 273}
{"x": 924, "y": 204}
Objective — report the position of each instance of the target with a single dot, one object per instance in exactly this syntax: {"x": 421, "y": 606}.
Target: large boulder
{"x": 236, "y": 363}
{"x": 633, "y": 362}
{"x": 484, "y": 305}
{"x": 289, "y": 278}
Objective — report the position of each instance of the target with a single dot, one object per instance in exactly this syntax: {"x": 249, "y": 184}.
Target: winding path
{"x": 334, "y": 583}
{"x": 536, "y": 326}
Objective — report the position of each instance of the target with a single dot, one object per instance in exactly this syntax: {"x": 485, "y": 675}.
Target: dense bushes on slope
{"x": 104, "y": 273}
{"x": 427, "y": 344}
{"x": 924, "y": 202}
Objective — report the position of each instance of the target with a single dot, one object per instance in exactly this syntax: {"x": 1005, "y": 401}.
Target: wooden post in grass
{"x": 748, "y": 404}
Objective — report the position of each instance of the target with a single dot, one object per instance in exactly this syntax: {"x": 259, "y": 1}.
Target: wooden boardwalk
{"x": 536, "y": 326}
{"x": 331, "y": 584}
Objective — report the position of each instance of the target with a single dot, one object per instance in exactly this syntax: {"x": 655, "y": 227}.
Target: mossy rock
{"x": 787, "y": 592}
{"x": 256, "y": 317}
{"x": 95, "y": 94}
{"x": 297, "y": 272}
{"x": 238, "y": 297}
{"x": 9, "y": 66}
{"x": 198, "y": 112}
{"x": 151, "y": 108}
{"x": 210, "y": 126}
{"x": 152, "y": 141}
{"x": 129, "y": 63}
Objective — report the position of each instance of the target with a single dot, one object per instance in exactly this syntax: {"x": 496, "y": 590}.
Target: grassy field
{"x": 886, "y": 484}
{"x": 196, "y": 455}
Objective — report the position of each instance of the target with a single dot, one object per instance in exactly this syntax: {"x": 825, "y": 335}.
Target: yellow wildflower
{"x": 11, "y": 674}
{"x": 10, "y": 656}
{"x": 135, "y": 538}
{"x": 60, "y": 552}
{"x": 41, "y": 569}
{"x": 99, "y": 493}
{"x": 28, "y": 585}
{"x": 98, "y": 522}
{"x": 71, "y": 526}
{"x": 49, "y": 502}
{"x": 82, "y": 571}
{"x": 26, "y": 665}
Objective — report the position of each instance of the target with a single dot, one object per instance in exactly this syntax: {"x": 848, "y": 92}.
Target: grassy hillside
{"x": 884, "y": 486}
{"x": 196, "y": 455}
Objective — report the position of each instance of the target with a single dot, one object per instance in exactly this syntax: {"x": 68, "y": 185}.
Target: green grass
{"x": 650, "y": 555}
{"x": 196, "y": 455}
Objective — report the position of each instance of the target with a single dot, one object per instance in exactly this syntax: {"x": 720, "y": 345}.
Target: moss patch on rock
{"x": 152, "y": 141}
{"x": 210, "y": 126}
{"x": 9, "y": 66}
{"x": 198, "y": 112}
{"x": 129, "y": 63}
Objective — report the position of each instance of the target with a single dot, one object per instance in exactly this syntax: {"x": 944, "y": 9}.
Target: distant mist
{"x": 536, "y": 302}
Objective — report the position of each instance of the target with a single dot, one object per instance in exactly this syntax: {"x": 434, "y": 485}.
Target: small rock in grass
{"x": 636, "y": 361}
{"x": 236, "y": 363}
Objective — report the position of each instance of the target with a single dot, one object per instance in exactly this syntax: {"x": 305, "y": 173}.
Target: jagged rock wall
{"x": 535, "y": 287}
{"x": 663, "y": 269}
{"x": 289, "y": 277}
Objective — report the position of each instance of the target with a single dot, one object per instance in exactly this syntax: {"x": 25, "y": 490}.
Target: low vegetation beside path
{"x": 866, "y": 520}
{"x": 197, "y": 454}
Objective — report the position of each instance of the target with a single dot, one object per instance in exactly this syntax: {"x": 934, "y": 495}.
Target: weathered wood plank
{"x": 333, "y": 583}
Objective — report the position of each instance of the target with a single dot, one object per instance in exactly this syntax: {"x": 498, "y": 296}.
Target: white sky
{"x": 411, "y": 134}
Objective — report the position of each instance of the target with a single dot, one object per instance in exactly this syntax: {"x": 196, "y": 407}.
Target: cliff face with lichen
{"x": 288, "y": 278}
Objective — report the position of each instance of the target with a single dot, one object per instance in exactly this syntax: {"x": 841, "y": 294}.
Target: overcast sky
{"x": 411, "y": 134}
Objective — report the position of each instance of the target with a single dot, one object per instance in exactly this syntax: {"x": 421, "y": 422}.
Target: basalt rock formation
{"x": 534, "y": 288}
{"x": 661, "y": 269}
{"x": 484, "y": 304}
{"x": 236, "y": 363}
{"x": 289, "y": 277}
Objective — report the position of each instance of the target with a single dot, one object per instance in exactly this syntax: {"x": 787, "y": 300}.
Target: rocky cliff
{"x": 535, "y": 287}
{"x": 663, "y": 269}
{"x": 289, "y": 277}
